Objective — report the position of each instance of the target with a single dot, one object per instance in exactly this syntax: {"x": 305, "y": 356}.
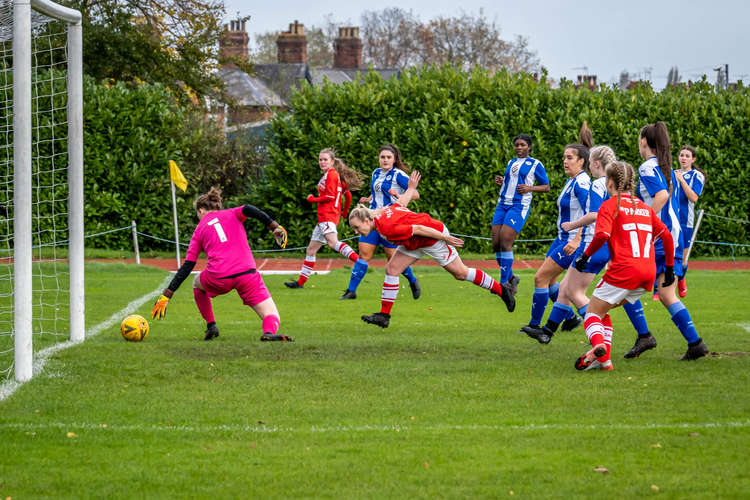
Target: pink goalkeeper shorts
{"x": 250, "y": 287}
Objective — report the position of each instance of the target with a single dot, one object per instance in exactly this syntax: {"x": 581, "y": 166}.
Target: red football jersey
{"x": 329, "y": 187}
{"x": 395, "y": 223}
{"x": 631, "y": 233}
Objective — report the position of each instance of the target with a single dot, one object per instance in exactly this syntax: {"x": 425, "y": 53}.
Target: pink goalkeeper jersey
{"x": 222, "y": 236}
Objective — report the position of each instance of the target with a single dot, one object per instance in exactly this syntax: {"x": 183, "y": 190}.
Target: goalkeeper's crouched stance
{"x": 231, "y": 266}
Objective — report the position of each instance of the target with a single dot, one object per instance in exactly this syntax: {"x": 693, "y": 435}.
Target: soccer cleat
{"x": 598, "y": 365}
{"x": 642, "y": 344}
{"x": 292, "y": 284}
{"x": 585, "y": 360}
{"x": 416, "y": 290}
{"x": 514, "y": 281}
{"x": 571, "y": 324}
{"x": 507, "y": 296}
{"x": 682, "y": 287}
{"x": 542, "y": 335}
{"x": 695, "y": 351}
{"x": 379, "y": 318}
{"x": 211, "y": 332}
{"x": 348, "y": 295}
{"x": 655, "y": 297}
{"x": 270, "y": 337}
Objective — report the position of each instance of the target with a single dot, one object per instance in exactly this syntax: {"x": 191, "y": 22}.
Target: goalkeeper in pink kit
{"x": 231, "y": 266}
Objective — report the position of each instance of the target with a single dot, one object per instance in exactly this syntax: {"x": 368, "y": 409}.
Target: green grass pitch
{"x": 448, "y": 402}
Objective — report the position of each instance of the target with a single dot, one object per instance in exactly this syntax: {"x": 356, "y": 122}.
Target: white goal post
{"x": 22, "y": 177}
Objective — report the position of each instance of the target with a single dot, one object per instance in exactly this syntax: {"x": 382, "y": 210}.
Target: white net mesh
{"x": 49, "y": 184}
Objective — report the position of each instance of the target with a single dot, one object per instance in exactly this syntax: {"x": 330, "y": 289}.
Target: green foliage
{"x": 131, "y": 133}
{"x": 457, "y": 127}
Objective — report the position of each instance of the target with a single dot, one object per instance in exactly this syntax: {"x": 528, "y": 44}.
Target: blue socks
{"x": 681, "y": 318}
{"x": 409, "y": 275}
{"x": 637, "y": 318}
{"x": 560, "y": 312}
{"x": 358, "y": 273}
{"x": 582, "y": 310}
{"x": 538, "y": 304}
{"x": 505, "y": 261}
{"x": 553, "y": 289}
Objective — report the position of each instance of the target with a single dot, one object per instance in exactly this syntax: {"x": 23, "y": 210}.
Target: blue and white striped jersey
{"x": 382, "y": 182}
{"x": 571, "y": 204}
{"x": 650, "y": 182}
{"x": 686, "y": 208}
{"x": 597, "y": 195}
{"x": 521, "y": 171}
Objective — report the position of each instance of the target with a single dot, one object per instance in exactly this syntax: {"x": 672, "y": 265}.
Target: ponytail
{"x": 397, "y": 161}
{"x": 586, "y": 136}
{"x": 657, "y": 139}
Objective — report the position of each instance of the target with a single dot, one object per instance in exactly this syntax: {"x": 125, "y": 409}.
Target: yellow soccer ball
{"x": 134, "y": 328}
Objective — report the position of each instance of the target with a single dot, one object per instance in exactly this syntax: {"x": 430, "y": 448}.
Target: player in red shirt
{"x": 334, "y": 198}
{"x": 417, "y": 234}
{"x": 629, "y": 227}
{"x": 231, "y": 265}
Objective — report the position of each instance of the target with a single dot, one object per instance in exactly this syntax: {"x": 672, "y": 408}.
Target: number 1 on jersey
{"x": 219, "y": 230}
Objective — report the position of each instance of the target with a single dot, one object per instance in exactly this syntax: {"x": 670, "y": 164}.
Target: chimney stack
{"x": 347, "y": 49}
{"x": 292, "y": 44}
{"x": 233, "y": 42}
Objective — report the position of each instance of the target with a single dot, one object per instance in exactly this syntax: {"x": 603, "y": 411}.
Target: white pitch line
{"x": 262, "y": 429}
{"x": 746, "y": 326}
{"x": 8, "y": 387}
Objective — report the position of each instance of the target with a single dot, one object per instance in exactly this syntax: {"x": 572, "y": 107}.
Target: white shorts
{"x": 615, "y": 295}
{"x": 322, "y": 229}
{"x": 441, "y": 251}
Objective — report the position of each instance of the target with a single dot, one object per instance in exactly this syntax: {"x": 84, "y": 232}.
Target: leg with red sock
{"x": 484, "y": 280}
{"x": 304, "y": 274}
{"x": 346, "y": 251}
{"x": 387, "y": 298}
{"x": 595, "y": 333}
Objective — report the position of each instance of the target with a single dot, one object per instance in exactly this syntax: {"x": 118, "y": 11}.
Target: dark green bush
{"x": 456, "y": 128}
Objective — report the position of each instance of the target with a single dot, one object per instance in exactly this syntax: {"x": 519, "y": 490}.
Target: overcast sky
{"x": 604, "y": 36}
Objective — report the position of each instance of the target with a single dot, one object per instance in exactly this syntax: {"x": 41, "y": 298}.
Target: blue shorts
{"x": 687, "y": 235}
{"x": 513, "y": 216}
{"x": 557, "y": 254}
{"x": 374, "y": 238}
{"x": 661, "y": 263}
{"x": 597, "y": 261}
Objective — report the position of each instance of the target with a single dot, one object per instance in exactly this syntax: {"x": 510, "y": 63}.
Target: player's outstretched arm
{"x": 419, "y": 230}
{"x": 160, "y": 306}
{"x": 411, "y": 192}
{"x": 279, "y": 233}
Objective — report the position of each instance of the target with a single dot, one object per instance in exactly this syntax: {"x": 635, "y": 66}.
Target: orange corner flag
{"x": 176, "y": 176}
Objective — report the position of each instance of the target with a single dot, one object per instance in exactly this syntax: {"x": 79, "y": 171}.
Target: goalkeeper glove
{"x": 668, "y": 276}
{"x": 581, "y": 262}
{"x": 280, "y": 235}
{"x": 160, "y": 307}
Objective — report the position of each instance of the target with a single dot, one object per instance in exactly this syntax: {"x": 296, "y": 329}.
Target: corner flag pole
{"x": 176, "y": 229}
{"x": 176, "y": 178}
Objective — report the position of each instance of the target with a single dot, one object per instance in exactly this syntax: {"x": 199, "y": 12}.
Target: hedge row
{"x": 456, "y": 128}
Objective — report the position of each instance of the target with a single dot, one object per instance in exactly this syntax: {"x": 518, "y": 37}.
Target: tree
{"x": 174, "y": 42}
{"x": 673, "y": 77}
{"x": 394, "y": 37}
{"x": 391, "y": 38}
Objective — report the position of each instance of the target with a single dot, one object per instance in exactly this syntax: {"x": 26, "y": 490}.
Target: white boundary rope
{"x": 8, "y": 387}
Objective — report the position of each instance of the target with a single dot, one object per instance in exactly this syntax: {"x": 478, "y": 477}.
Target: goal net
{"x": 40, "y": 195}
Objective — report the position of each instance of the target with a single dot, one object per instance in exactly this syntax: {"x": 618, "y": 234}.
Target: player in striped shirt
{"x": 231, "y": 266}
{"x": 417, "y": 235}
{"x": 630, "y": 228}
{"x": 571, "y": 205}
{"x": 388, "y": 182}
{"x": 514, "y": 203}
{"x": 656, "y": 185}
{"x": 329, "y": 200}
{"x": 690, "y": 183}
{"x": 575, "y": 283}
